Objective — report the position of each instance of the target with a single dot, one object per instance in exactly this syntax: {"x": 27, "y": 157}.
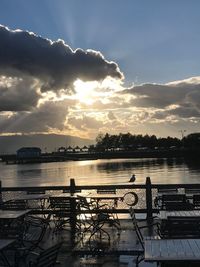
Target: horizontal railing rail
{"x": 94, "y": 187}
{"x": 78, "y": 187}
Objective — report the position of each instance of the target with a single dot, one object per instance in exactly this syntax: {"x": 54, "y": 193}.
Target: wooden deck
{"x": 120, "y": 252}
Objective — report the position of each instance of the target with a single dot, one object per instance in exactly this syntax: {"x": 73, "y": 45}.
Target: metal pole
{"x": 73, "y": 210}
{"x": 72, "y": 186}
{"x": 1, "y": 198}
{"x": 149, "y": 198}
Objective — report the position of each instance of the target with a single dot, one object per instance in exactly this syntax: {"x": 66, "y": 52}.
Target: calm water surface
{"x": 100, "y": 172}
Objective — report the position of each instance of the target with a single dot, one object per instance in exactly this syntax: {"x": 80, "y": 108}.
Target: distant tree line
{"x": 192, "y": 141}
{"x": 127, "y": 141}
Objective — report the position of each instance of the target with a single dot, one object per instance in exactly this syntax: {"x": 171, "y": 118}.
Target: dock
{"x": 95, "y": 226}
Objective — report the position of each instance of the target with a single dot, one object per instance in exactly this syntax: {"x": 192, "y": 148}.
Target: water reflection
{"x": 29, "y": 173}
{"x": 193, "y": 164}
{"x": 101, "y": 172}
{"x": 131, "y": 164}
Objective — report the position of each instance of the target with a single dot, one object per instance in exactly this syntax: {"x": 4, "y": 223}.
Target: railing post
{"x": 72, "y": 186}
{"x": 149, "y": 198}
{"x": 73, "y": 210}
{"x": 1, "y": 198}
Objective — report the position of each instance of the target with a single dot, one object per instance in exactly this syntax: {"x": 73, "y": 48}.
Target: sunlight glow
{"x": 85, "y": 91}
{"x": 88, "y": 92}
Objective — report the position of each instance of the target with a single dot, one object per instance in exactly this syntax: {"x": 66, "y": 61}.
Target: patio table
{"x": 12, "y": 214}
{"x": 172, "y": 250}
{"x": 103, "y": 197}
{"x": 43, "y": 198}
{"x": 164, "y": 214}
{"x": 72, "y": 195}
{"x": 34, "y": 197}
{"x": 11, "y": 222}
{"x": 89, "y": 195}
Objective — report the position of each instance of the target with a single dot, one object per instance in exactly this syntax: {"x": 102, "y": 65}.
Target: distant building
{"x": 69, "y": 149}
{"x": 84, "y": 149}
{"x": 61, "y": 149}
{"x": 29, "y": 152}
{"x": 77, "y": 149}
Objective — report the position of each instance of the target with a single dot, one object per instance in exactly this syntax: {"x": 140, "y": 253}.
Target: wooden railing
{"x": 148, "y": 189}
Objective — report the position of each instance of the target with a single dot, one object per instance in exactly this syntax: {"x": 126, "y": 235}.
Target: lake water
{"x": 111, "y": 171}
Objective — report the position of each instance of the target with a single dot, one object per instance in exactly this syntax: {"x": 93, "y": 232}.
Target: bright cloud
{"x": 47, "y": 87}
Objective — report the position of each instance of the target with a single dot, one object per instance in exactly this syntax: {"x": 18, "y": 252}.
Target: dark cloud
{"x": 50, "y": 115}
{"x": 162, "y": 96}
{"x": 186, "y": 111}
{"x": 55, "y": 64}
{"x": 21, "y": 95}
{"x": 194, "y": 98}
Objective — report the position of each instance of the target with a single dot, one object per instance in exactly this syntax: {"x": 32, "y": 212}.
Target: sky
{"x": 84, "y": 67}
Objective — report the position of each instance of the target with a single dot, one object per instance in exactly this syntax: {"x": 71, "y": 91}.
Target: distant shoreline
{"x": 57, "y": 157}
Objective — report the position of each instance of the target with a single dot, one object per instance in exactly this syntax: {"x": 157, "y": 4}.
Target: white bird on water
{"x": 133, "y": 178}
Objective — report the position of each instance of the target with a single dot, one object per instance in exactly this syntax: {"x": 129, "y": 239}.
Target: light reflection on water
{"x": 100, "y": 172}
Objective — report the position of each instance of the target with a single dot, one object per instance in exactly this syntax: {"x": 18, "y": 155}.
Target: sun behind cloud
{"x": 90, "y": 91}
{"x": 85, "y": 91}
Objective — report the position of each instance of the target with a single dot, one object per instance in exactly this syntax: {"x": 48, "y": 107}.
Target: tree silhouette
{"x": 127, "y": 142}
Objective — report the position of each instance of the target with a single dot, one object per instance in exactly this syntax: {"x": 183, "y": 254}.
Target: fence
{"x": 140, "y": 195}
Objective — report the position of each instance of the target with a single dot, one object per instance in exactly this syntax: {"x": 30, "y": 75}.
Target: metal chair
{"x": 196, "y": 201}
{"x": 46, "y": 258}
{"x": 33, "y": 233}
{"x": 167, "y": 190}
{"x": 109, "y": 204}
{"x": 140, "y": 256}
{"x": 84, "y": 214}
{"x": 109, "y": 215}
{"x": 61, "y": 211}
{"x": 158, "y": 201}
{"x": 177, "y": 205}
{"x": 190, "y": 191}
{"x": 148, "y": 224}
{"x": 29, "y": 239}
{"x": 163, "y": 246}
{"x": 180, "y": 227}
{"x": 137, "y": 228}
{"x": 94, "y": 219}
{"x": 175, "y": 201}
